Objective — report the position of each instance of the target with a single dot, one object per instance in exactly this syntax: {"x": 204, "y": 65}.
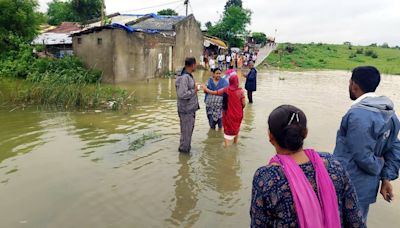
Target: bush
{"x": 360, "y": 51}
{"x": 371, "y": 53}
{"x": 352, "y": 55}
{"x": 385, "y": 45}
{"x": 63, "y": 83}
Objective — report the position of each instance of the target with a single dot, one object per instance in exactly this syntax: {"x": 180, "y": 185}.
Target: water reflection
{"x": 248, "y": 119}
{"x": 20, "y": 133}
{"x": 220, "y": 165}
{"x": 184, "y": 212}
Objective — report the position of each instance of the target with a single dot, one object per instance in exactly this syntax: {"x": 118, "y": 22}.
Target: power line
{"x": 151, "y": 7}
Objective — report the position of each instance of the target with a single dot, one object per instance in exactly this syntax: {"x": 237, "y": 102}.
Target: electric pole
{"x": 102, "y": 13}
{"x": 186, "y": 3}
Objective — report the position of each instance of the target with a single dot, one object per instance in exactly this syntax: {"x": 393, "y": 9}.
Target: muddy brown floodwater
{"x": 62, "y": 169}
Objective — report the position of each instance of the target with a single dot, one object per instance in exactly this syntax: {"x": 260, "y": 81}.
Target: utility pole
{"x": 186, "y": 3}
{"x": 102, "y": 13}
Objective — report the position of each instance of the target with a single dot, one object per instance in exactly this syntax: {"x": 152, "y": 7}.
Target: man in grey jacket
{"x": 367, "y": 142}
{"x": 188, "y": 103}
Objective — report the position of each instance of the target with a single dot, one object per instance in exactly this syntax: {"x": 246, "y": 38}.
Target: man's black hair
{"x": 190, "y": 61}
{"x": 366, "y": 77}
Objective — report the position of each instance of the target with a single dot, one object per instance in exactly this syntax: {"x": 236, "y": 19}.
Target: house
{"x": 57, "y": 40}
{"x": 147, "y": 47}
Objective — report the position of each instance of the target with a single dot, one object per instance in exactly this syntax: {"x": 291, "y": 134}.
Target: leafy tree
{"x": 232, "y": 26}
{"x": 86, "y": 10}
{"x": 208, "y": 24}
{"x": 59, "y": 11}
{"x": 73, "y": 10}
{"x": 259, "y": 37}
{"x": 230, "y": 3}
{"x": 167, "y": 12}
{"x": 18, "y": 19}
{"x": 385, "y": 45}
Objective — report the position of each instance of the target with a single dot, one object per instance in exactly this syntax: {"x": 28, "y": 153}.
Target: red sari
{"x": 232, "y": 118}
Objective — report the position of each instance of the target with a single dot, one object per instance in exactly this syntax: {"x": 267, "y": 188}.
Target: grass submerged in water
{"x": 141, "y": 141}
{"x": 16, "y": 92}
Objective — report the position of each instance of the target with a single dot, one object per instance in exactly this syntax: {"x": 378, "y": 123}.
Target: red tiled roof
{"x": 66, "y": 27}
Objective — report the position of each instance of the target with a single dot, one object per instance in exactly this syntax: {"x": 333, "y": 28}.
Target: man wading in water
{"x": 188, "y": 103}
{"x": 251, "y": 81}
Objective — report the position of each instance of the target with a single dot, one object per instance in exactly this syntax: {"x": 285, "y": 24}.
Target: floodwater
{"x": 61, "y": 169}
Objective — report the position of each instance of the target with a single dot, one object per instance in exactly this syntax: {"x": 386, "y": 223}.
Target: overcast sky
{"x": 329, "y": 21}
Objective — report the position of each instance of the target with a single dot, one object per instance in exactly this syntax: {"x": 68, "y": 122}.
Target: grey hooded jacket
{"x": 369, "y": 132}
{"x": 186, "y": 94}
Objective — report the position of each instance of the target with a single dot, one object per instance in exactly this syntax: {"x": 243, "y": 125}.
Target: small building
{"x": 57, "y": 40}
{"x": 214, "y": 46}
{"x": 147, "y": 47}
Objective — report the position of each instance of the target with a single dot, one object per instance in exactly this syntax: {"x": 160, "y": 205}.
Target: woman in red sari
{"x": 234, "y": 103}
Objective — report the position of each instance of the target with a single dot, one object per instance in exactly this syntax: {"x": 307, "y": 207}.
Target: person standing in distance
{"x": 367, "y": 142}
{"x": 251, "y": 81}
{"x": 188, "y": 103}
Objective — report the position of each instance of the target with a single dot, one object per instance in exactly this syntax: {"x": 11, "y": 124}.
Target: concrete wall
{"x": 94, "y": 55}
{"x": 139, "y": 56}
{"x": 189, "y": 42}
{"x": 125, "y": 57}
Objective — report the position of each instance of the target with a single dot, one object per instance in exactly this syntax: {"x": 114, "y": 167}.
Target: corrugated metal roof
{"x": 215, "y": 41}
{"x": 162, "y": 23}
{"x": 66, "y": 27}
{"x": 52, "y": 39}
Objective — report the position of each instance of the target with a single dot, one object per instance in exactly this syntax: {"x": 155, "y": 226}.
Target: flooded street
{"x": 108, "y": 169}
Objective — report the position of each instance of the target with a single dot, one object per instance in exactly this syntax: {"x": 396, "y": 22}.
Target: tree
{"x": 208, "y": 24}
{"x": 259, "y": 37}
{"x": 86, "y": 10}
{"x": 73, "y": 10}
{"x": 167, "y": 12}
{"x": 232, "y": 26}
{"x": 18, "y": 18}
{"x": 385, "y": 45}
{"x": 60, "y": 11}
{"x": 230, "y": 3}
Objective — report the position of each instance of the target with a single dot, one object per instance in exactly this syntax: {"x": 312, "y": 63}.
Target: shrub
{"x": 371, "y": 53}
{"x": 352, "y": 55}
{"x": 385, "y": 45}
{"x": 360, "y": 51}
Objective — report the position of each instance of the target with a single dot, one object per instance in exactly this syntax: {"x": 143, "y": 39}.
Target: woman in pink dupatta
{"x": 300, "y": 187}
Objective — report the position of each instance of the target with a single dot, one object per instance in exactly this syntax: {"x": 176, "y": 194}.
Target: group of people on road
{"x": 234, "y": 59}
{"x": 302, "y": 187}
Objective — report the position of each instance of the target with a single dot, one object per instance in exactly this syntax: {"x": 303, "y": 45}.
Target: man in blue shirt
{"x": 367, "y": 142}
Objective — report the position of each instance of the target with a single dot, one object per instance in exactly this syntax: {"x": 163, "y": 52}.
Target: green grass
{"x": 141, "y": 141}
{"x": 335, "y": 57}
{"x": 22, "y": 93}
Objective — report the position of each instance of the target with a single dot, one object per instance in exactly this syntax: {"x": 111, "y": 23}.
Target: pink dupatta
{"x": 311, "y": 211}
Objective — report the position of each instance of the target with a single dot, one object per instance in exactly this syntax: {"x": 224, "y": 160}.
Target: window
{"x": 79, "y": 40}
{"x": 99, "y": 41}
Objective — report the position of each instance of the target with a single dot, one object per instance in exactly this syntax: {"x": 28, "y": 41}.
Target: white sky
{"x": 330, "y": 21}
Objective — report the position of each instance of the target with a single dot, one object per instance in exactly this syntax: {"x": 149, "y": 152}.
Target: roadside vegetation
{"x": 337, "y": 57}
{"x": 62, "y": 83}
{"x": 26, "y": 79}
